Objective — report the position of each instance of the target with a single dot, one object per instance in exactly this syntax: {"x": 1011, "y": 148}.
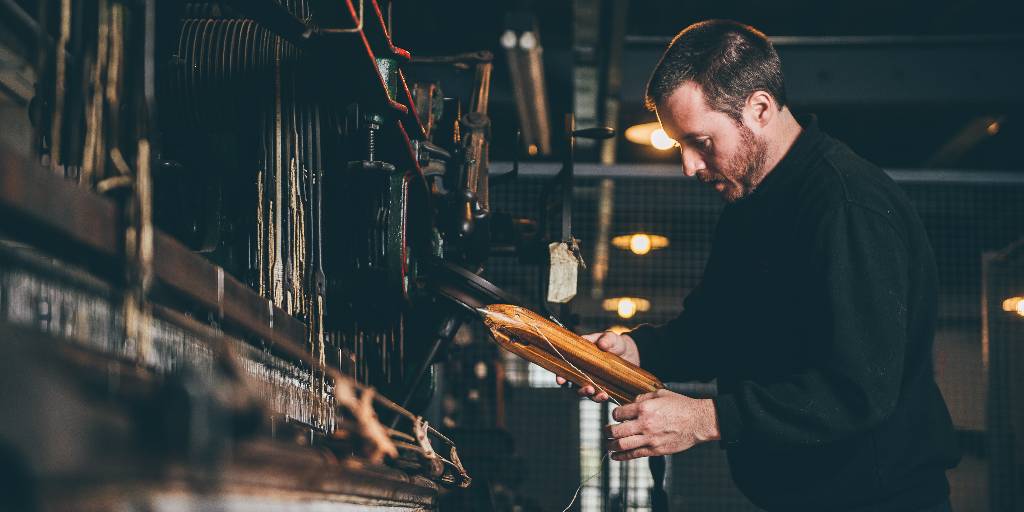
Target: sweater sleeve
{"x": 681, "y": 349}
{"x": 857, "y": 346}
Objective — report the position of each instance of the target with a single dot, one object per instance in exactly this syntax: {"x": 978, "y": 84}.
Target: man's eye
{"x": 704, "y": 144}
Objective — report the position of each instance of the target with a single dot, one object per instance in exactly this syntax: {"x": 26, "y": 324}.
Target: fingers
{"x": 611, "y": 343}
{"x": 628, "y": 443}
{"x": 593, "y": 394}
{"x": 626, "y": 412}
{"x": 588, "y": 391}
{"x": 635, "y": 454}
{"x": 620, "y": 430}
{"x": 607, "y": 341}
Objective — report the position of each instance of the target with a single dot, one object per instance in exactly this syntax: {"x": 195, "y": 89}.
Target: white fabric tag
{"x": 563, "y": 273}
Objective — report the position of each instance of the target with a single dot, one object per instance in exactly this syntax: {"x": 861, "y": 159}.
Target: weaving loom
{"x": 216, "y": 233}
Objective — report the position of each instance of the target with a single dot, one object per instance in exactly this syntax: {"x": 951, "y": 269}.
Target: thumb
{"x": 611, "y": 342}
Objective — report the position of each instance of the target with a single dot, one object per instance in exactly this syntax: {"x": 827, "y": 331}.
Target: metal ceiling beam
{"x": 673, "y": 171}
{"x": 836, "y": 71}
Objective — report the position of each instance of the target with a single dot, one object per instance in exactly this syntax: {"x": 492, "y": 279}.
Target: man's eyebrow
{"x": 670, "y": 135}
{"x": 689, "y": 137}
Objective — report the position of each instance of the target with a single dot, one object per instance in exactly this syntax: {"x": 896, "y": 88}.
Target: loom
{"x": 212, "y": 252}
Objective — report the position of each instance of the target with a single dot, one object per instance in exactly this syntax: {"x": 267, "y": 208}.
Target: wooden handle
{"x": 565, "y": 353}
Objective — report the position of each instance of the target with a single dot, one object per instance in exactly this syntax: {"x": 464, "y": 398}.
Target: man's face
{"x": 715, "y": 148}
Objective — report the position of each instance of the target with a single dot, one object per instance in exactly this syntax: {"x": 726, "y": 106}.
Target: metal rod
{"x": 447, "y": 332}
{"x": 673, "y": 171}
{"x": 357, "y": 28}
{"x": 858, "y": 40}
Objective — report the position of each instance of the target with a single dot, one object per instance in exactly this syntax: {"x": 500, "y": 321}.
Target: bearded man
{"x": 816, "y": 311}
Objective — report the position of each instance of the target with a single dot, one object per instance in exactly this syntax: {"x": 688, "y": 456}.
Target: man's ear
{"x": 759, "y": 109}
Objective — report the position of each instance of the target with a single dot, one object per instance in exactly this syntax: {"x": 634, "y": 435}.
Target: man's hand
{"x": 661, "y": 423}
{"x": 619, "y": 344}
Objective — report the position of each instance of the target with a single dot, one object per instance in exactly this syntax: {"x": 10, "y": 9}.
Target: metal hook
{"x": 357, "y": 28}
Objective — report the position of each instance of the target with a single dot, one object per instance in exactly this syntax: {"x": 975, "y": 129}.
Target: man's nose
{"x": 692, "y": 162}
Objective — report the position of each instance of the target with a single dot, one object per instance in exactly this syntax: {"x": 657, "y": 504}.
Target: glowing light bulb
{"x": 640, "y": 244}
{"x": 1014, "y": 305}
{"x": 508, "y": 40}
{"x": 528, "y": 40}
{"x": 626, "y": 308}
{"x": 660, "y": 140}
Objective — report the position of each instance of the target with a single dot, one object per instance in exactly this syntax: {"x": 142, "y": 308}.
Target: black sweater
{"x": 816, "y": 314}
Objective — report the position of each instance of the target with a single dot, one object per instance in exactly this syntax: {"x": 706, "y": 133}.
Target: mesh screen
{"x": 963, "y": 221}
{"x": 1003, "y": 360}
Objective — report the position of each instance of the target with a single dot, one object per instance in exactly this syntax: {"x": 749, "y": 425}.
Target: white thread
{"x": 576, "y": 494}
{"x": 599, "y": 388}
{"x": 591, "y": 477}
{"x": 446, "y": 461}
{"x": 574, "y": 367}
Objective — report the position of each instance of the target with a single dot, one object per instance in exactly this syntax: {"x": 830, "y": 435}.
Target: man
{"x": 817, "y": 307}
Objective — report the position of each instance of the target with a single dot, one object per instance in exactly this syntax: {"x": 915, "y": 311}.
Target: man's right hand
{"x": 619, "y": 344}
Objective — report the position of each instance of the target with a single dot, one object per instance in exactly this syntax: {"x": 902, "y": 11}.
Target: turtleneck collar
{"x": 796, "y": 158}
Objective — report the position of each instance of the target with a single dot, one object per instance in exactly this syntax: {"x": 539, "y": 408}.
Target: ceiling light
{"x": 626, "y": 307}
{"x": 1014, "y": 305}
{"x": 650, "y": 134}
{"x": 508, "y": 40}
{"x": 528, "y": 40}
{"x": 525, "y": 56}
{"x": 640, "y": 243}
{"x": 660, "y": 140}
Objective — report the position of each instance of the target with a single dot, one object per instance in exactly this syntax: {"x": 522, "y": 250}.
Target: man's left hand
{"x": 661, "y": 423}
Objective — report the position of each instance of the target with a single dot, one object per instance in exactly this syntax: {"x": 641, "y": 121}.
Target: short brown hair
{"x": 727, "y": 59}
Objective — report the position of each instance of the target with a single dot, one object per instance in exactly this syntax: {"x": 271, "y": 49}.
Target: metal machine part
{"x": 465, "y": 288}
{"x": 205, "y": 367}
{"x": 429, "y": 102}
